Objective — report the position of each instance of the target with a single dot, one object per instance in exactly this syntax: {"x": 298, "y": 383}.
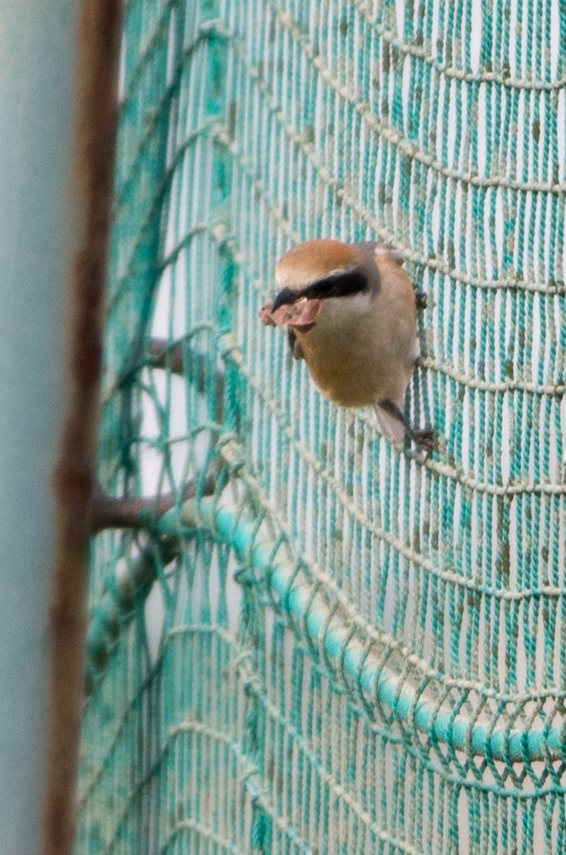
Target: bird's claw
{"x": 424, "y": 439}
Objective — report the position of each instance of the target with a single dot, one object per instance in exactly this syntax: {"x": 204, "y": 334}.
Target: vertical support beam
{"x": 57, "y": 118}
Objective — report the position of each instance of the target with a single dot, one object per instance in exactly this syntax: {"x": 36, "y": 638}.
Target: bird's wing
{"x": 392, "y": 429}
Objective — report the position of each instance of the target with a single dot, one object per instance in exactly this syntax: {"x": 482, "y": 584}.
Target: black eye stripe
{"x": 339, "y": 285}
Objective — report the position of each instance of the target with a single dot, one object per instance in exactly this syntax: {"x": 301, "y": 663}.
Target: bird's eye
{"x": 339, "y": 285}
{"x": 328, "y": 287}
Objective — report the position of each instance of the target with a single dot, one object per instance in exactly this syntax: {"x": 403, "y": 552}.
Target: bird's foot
{"x": 424, "y": 439}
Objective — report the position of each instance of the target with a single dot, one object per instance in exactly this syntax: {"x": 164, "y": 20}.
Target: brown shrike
{"x": 351, "y": 313}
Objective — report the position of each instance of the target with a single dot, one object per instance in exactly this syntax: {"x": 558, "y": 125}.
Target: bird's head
{"x": 327, "y": 270}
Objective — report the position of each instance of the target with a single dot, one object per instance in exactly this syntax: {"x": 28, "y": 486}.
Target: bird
{"x": 351, "y": 313}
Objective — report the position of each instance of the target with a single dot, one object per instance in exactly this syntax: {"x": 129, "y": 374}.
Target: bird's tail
{"x": 392, "y": 429}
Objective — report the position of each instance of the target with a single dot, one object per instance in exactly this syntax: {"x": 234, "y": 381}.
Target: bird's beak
{"x": 285, "y": 297}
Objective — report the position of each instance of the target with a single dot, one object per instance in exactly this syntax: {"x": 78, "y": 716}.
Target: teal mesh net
{"x": 307, "y": 641}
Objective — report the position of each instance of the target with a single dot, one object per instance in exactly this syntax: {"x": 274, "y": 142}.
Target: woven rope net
{"x": 310, "y": 642}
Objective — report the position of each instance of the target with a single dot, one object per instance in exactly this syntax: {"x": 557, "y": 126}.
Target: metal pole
{"x": 57, "y": 85}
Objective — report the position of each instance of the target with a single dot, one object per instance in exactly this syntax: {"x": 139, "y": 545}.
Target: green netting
{"x": 333, "y": 647}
